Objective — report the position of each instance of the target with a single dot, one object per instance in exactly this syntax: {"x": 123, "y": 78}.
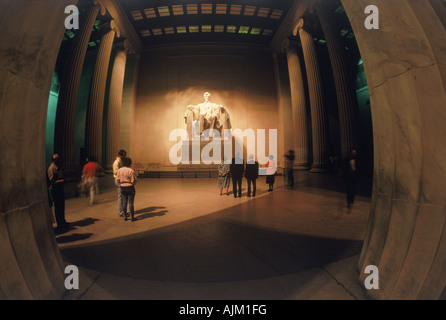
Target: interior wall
{"x": 405, "y": 66}
{"x": 171, "y": 78}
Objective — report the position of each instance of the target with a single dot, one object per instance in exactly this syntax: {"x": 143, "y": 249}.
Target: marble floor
{"x": 188, "y": 242}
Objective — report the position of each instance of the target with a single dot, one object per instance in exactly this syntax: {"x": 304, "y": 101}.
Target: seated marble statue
{"x": 206, "y": 115}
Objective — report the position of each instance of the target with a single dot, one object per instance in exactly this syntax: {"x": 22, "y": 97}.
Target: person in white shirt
{"x": 116, "y": 165}
{"x": 126, "y": 178}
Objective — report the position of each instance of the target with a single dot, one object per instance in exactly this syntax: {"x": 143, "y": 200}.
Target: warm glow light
{"x": 177, "y": 10}
{"x": 255, "y": 31}
{"x": 263, "y": 12}
{"x": 243, "y": 29}
{"x": 206, "y": 8}
{"x": 164, "y": 11}
{"x": 193, "y": 29}
{"x": 136, "y": 15}
{"x": 192, "y": 9}
{"x": 145, "y": 33}
{"x": 169, "y": 30}
{"x": 219, "y": 28}
{"x": 221, "y": 8}
{"x": 235, "y": 9}
{"x": 231, "y": 29}
{"x": 181, "y": 29}
{"x": 276, "y": 14}
{"x": 157, "y": 31}
{"x": 206, "y": 28}
{"x": 150, "y": 13}
{"x": 249, "y": 10}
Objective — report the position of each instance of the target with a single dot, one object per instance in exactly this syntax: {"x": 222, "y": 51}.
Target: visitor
{"x": 224, "y": 176}
{"x": 126, "y": 179}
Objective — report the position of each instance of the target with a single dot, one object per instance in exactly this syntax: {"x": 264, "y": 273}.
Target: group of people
{"x": 236, "y": 169}
{"x": 125, "y": 180}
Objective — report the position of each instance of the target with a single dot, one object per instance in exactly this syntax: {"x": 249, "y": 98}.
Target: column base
{"x": 319, "y": 168}
{"x": 302, "y": 166}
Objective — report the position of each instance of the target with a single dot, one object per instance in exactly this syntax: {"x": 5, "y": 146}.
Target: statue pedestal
{"x": 201, "y": 154}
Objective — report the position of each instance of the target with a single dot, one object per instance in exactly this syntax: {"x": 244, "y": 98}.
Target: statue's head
{"x": 206, "y": 96}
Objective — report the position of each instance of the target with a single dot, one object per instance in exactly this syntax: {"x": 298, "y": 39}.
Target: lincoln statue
{"x": 206, "y": 115}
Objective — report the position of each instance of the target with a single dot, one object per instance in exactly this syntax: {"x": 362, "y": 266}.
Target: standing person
{"x": 56, "y": 181}
{"x": 90, "y": 179}
{"x": 289, "y": 167}
{"x": 270, "y": 172}
{"x": 351, "y": 176}
{"x": 237, "y": 169}
{"x": 116, "y": 166}
{"x": 251, "y": 174}
{"x": 126, "y": 179}
{"x": 224, "y": 176}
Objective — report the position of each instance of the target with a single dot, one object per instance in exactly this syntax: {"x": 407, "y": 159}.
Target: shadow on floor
{"x": 73, "y": 237}
{"x": 208, "y": 249}
{"x": 149, "y": 213}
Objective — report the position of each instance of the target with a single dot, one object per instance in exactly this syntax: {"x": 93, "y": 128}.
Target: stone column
{"x": 95, "y": 109}
{"x": 30, "y": 261}
{"x": 285, "y": 132}
{"x": 115, "y": 104}
{"x": 345, "y": 89}
{"x": 318, "y": 112}
{"x": 299, "y": 108}
{"x": 66, "y": 108}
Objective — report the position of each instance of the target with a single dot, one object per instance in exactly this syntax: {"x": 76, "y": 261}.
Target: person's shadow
{"x": 149, "y": 212}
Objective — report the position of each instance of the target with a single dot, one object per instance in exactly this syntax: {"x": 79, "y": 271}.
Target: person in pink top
{"x": 126, "y": 178}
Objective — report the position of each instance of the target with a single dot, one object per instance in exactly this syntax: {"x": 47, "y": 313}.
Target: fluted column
{"x": 95, "y": 109}
{"x": 317, "y": 107}
{"x": 299, "y": 109}
{"x": 345, "y": 90}
{"x": 115, "y": 104}
{"x": 283, "y": 102}
{"x": 66, "y": 107}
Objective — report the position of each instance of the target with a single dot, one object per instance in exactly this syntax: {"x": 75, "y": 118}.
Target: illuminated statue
{"x": 206, "y": 115}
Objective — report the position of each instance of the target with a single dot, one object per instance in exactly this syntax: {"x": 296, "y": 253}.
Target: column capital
{"x": 101, "y": 4}
{"x": 299, "y": 25}
{"x": 123, "y": 45}
{"x": 110, "y": 26}
{"x": 305, "y": 25}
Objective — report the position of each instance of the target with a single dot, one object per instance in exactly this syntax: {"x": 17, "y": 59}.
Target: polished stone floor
{"x": 188, "y": 242}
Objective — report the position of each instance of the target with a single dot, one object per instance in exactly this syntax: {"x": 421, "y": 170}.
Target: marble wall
{"x": 31, "y": 266}
{"x": 405, "y": 62}
{"x": 405, "y": 65}
{"x": 171, "y": 78}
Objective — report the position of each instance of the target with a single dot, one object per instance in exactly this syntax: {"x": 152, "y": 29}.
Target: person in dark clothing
{"x": 56, "y": 181}
{"x": 237, "y": 169}
{"x": 251, "y": 174}
{"x": 289, "y": 167}
{"x": 351, "y": 176}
